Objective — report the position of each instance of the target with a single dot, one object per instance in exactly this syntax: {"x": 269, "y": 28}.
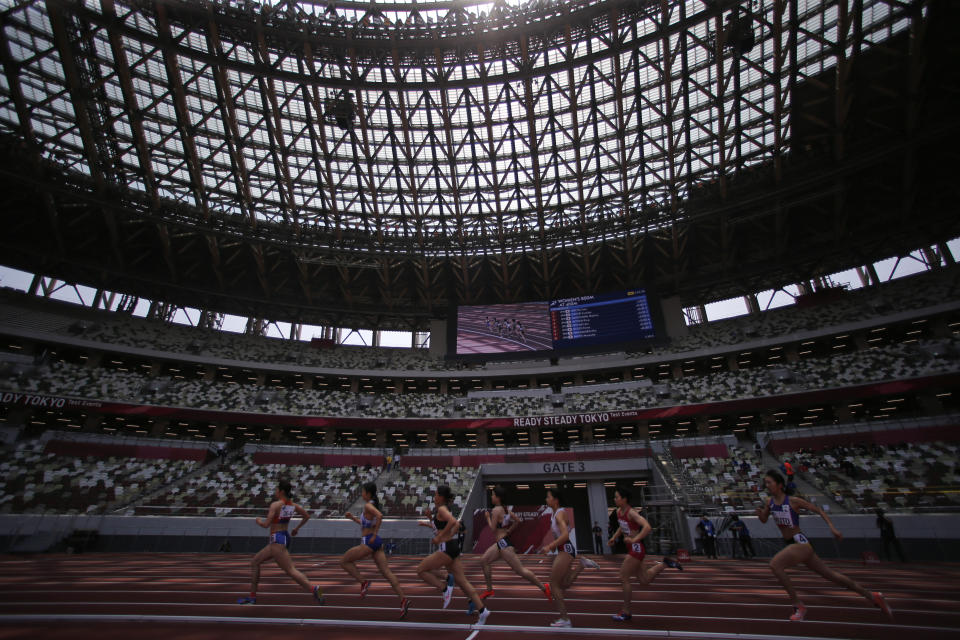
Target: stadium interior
{"x": 666, "y": 245}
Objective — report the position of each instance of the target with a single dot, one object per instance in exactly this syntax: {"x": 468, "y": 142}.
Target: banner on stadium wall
{"x": 573, "y": 419}
{"x": 531, "y": 535}
{"x": 20, "y": 399}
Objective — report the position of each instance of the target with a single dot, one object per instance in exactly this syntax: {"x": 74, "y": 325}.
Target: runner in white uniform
{"x": 564, "y": 571}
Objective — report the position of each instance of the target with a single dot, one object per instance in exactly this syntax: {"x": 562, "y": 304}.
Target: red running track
{"x": 193, "y": 596}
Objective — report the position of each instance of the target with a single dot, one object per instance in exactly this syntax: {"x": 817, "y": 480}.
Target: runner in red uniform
{"x": 634, "y": 528}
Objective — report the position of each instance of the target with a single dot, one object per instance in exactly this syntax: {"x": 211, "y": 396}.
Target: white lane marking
{"x": 575, "y": 631}
{"x": 452, "y": 626}
{"x": 391, "y": 596}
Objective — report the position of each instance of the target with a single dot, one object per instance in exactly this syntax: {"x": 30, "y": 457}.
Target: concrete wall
{"x": 193, "y": 533}
{"x": 577, "y": 469}
{"x": 924, "y": 538}
{"x": 673, "y": 321}
{"x": 595, "y": 472}
{"x": 438, "y": 338}
{"x": 476, "y": 499}
{"x": 597, "y": 495}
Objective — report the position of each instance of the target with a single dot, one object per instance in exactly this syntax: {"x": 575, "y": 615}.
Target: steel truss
{"x": 180, "y": 151}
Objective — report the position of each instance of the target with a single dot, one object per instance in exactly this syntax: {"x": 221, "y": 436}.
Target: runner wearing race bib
{"x": 563, "y": 572}
{"x": 785, "y": 512}
{"x": 282, "y": 510}
{"x": 448, "y": 556}
{"x": 634, "y": 528}
{"x": 371, "y": 546}
{"x": 502, "y": 521}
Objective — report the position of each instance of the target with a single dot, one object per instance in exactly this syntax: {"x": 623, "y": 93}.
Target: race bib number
{"x": 503, "y": 543}
{"x": 637, "y": 547}
{"x": 800, "y": 539}
{"x": 443, "y": 546}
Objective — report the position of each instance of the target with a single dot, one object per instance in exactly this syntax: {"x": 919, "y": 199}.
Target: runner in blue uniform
{"x": 371, "y": 545}
{"x": 282, "y": 510}
{"x": 785, "y": 512}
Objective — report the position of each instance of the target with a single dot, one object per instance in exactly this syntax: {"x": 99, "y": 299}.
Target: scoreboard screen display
{"x": 556, "y": 325}
{"x": 503, "y": 328}
{"x": 601, "y": 319}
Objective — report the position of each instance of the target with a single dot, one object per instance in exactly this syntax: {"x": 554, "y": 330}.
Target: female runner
{"x": 448, "y": 556}
{"x": 634, "y": 528}
{"x": 429, "y": 520}
{"x": 502, "y": 522}
{"x": 564, "y": 571}
{"x": 371, "y": 545}
{"x": 278, "y": 517}
{"x": 785, "y": 512}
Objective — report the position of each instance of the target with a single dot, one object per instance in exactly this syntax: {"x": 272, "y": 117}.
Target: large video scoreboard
{"x": 563, "y": 324}
{"x": 601, "y": 319}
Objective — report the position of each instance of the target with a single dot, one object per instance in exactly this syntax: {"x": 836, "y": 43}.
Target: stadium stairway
{"x": 678, "y": 481}
{"x": 804, "y": 488}
{"x": 380, "y": 480}
{"x": 145, "y": 496}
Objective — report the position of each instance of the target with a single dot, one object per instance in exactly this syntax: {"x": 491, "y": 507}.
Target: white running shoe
{"x": 448, "y": 592}
{"x": 588, "y": 563}
{"x": 483, "y": 616}
{"x": 562, "y": 622}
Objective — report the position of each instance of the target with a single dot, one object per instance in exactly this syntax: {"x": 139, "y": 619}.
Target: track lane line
{"x": 362, "y": 624}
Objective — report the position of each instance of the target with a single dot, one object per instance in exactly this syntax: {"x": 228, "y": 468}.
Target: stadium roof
{"x": 404, "y": 156}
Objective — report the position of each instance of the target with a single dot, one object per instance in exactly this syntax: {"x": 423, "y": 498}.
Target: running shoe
{"x": 364, "y": 587}
{"x": 562, "y": 622}
{"x": 318, "y": 595}
{"x": 404, "y": 608}
{"x": 799, "y": 613}
{"x": 486, "y": 593}
{"x": 672, "y": 563}
{"x": 881, "y": 602}
{"x": 622, "y": 617}
{"x": 484, "y": 614}
{"x": 448, "y": 592}
{"x": 547, "y": 592}
{"x": 588, "y": 563}
{"x": 247, "y": 600}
